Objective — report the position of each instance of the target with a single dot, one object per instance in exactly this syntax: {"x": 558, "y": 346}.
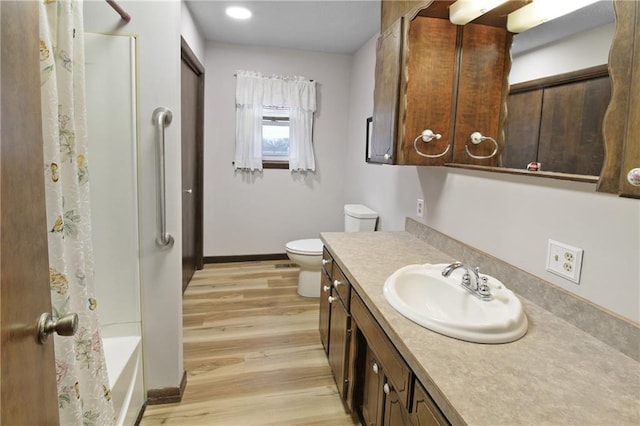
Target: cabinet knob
{"x": 326, "y": 288}
{"x": 375, "y": 368}
{"x": 633, "y": 177}
{"x": 326, "y": 261}
{"x": 336, "y": 283}
{"x": 386, "y": 388}
{"x": 331, "y": 299}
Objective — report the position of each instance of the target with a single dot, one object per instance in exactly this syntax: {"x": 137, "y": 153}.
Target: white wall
{"x": 582, "y": 50}
{"x": 247, "y": 214}
{"x": 191, "y": 33}
{"x": 510, "y": 217}
{"x": 157, "y": 26}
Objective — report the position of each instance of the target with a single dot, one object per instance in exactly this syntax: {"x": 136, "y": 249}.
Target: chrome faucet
{"x": 477, "y": 286}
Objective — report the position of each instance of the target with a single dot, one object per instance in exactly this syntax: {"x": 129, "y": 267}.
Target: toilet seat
{"x": 308, "y": 247}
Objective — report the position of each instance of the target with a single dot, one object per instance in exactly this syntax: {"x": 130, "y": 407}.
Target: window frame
{"x": 271, "y": 162}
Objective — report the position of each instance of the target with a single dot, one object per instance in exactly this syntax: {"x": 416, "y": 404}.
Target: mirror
{"x": 559, "y": 92}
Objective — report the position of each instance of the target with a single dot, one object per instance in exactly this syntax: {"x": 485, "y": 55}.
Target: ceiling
{"x": 344, "y": 26}
{"x": 322, "y": 26}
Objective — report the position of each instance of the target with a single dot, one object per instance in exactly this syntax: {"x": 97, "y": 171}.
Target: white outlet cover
{"x": 420, "y": 208}
{"x": 564, "y": 260}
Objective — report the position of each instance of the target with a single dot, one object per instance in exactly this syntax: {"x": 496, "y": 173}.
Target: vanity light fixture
{"x": 238, "y": 12}
{"x": 464, "y": 11}
{"x": 540, "y": 11}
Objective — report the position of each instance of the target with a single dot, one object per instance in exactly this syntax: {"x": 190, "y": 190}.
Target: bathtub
{"x": 123, "y": 357}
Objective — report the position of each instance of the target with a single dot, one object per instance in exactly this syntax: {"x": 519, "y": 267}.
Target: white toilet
{"x": 307, "y": 254}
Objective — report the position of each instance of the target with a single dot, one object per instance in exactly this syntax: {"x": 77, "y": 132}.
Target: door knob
{"x": 188, "y": 191}
{"x": 65, "y": 326}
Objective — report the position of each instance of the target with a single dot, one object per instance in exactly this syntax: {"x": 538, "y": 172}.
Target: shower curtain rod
{"x": 123, "y": 13}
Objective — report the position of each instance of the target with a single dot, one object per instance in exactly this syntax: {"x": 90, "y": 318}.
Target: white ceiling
{"x": 344, "y": 26}
{"x": 323, "y": 26}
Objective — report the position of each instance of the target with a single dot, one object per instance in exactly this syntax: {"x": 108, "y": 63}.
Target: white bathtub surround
{"x": 83, "y": 387}
{"x": 123, "y": 356}
{"x": 111, "y": 92}
{"x": 154, "y": 23}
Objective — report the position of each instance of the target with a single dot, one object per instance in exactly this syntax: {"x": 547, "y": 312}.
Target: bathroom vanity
{"x": 391, "y": 371}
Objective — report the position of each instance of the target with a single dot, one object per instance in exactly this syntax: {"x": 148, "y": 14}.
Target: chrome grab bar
{"x": 161, "y": 118}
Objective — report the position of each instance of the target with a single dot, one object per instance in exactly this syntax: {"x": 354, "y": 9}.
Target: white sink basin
{"x": 422, "y": 294}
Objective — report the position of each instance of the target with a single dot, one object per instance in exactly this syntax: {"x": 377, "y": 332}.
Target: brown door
{"x": 28, "y": 380}
{"x": 192, "y": 95}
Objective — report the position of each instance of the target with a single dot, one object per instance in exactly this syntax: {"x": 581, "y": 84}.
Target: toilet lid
{"x": 312, "y": 246}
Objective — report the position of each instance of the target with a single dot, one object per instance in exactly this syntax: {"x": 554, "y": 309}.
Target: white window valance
{"x": 255, "y": 91}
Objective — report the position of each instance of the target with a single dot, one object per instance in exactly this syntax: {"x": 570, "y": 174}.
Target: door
{"x": 192, "y": 95}
{"x": 28, "y": 382}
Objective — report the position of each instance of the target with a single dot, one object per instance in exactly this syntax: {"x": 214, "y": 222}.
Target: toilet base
{"x": 309, "y": 283}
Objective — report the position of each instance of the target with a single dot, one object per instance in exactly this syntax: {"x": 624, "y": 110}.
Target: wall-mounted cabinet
{"x": 431, "y": 74}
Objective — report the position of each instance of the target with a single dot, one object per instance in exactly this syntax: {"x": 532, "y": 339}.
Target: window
{"x": 275, "y": 137}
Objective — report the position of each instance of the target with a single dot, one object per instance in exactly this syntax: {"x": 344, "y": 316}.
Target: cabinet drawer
{"x": 396, "y": 370}
{"x": 342, "y": 286}
{"x": 327, "y": 261}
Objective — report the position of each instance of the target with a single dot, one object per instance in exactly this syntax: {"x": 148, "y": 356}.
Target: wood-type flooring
{"x": 252, "y": 352}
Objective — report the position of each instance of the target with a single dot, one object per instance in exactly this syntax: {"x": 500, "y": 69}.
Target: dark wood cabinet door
{"x": 428, "y": 89}
{"x": 325, "y": 310}
{"x": 386, "y": 93}
{"x": 482, "y": 91}
{"x": 571, "y": 127}
{"x": 395, "y": 414}
{"x": 425, "y": 411}
{"x": 339, "y": 321}
{"x": 522, "y": 129}
{"x": 372, "y": 394}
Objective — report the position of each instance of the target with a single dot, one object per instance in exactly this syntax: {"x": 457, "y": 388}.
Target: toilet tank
{"x": 358, "y": 218}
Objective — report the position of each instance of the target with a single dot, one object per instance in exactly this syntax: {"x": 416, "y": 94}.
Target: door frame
{"x": 191, "y": 60}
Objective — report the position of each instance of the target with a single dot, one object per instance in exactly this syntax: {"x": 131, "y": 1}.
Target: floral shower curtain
{"x": 84, "y": 397}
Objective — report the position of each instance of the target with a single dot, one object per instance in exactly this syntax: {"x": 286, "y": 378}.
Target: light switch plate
{"x": 564, "y": 260}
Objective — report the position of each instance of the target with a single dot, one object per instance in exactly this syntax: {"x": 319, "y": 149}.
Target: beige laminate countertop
{"x": 555, "y": 375}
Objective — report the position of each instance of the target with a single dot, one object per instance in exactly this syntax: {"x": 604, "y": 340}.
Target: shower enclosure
{"x": 111, "y": 83}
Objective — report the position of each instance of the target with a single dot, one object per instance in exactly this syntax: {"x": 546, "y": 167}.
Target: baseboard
{"x": 167, "y": 395}
{"x": 245, "y": 258}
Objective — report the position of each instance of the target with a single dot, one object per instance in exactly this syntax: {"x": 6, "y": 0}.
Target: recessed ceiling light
{"x": 238, "y": 12}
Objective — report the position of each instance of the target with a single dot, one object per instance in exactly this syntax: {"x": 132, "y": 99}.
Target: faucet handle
{"x": 483, "y": 286}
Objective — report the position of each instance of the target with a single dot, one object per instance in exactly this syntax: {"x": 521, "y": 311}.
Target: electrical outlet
{"x": 420, "y": 208}
{"x": 564, "y": 260}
